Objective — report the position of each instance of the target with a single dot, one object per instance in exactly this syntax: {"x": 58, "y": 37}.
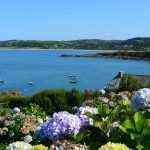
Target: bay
{"x": 45, "y": 69}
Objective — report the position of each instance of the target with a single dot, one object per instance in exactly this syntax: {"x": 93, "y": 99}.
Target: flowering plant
{"x": 62, "y": 124}
{"x": 39, "y": 147}
{"x": 141, "y": 99}
{"x": 114, "y": 146}
{"x": 85, "y": 120}
{"x": 19, "y": 146}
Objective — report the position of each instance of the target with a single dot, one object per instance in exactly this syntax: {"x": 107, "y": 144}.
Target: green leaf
{"x": 139, "y": 147}
{"x": 128, "y": 124}
{"x": 146, "y": 145}
{"x": 139, "y": 121}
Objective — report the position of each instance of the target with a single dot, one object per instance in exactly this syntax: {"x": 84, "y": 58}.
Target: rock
{"x": 13, "y": 93}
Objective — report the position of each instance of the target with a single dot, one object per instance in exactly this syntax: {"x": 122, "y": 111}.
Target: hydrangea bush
{"x": 141, "y": 99}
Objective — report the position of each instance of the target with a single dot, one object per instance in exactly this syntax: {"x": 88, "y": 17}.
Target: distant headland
{"x": 136, "y": 55}
{"x": 139, "y": 43}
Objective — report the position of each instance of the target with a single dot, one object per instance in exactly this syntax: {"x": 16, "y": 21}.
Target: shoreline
{"x": 46, "y": 49}
{"x": 129, "y": 56}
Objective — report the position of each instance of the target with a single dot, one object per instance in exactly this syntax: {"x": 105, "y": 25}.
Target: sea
{"x": 32, "y": 70}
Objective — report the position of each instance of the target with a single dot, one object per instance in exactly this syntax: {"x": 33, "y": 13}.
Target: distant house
{"x": 114, "y": 84}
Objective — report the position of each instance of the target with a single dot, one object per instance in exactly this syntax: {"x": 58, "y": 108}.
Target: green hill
{"x": 130, "y": 44}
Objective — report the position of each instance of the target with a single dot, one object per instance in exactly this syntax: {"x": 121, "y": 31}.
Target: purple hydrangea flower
{"x": 141, "y": 99}
{"x": 85, "y": 120}
{"x": 60, "y": 125}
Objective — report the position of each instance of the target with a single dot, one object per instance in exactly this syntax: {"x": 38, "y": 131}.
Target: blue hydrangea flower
{"x": 62, "y": 124}
{"x": 141, "y": 99}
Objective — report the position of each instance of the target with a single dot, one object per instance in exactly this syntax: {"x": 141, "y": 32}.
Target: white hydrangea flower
{"x": 40, "y": 121}
{"x": 16, "y": 110}
{"x": 102, "y": 91}
{"x": 83, "y": 110}
{"x": 85, "y": 120}
{"x": 28, "y": 138}
{"x": 19, "y": 145}
{"x": 141, "y": 99}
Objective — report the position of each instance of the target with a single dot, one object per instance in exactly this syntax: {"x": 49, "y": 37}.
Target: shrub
{"x": 5, "y": 111}
{"x": 129, "y": 83}
{"x": 35, "y": 110}
{"x": 17, "y": 101}
{"x": 74, "y": 97}
{"x": 89, "y": 94}
{"x": 147, "y": 53}
{"x": 2, "y": 147}
{"x": 92, "y": 136}
{"x": 57, "y": 100}
{"x": 50, "y": 100}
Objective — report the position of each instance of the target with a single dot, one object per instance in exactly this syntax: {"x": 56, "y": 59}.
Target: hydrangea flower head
{"x": 16, "y": 110}
{"x": 113, "y": 128}
{"x": 62, "y": 124}
{"x": 19, "y": 145}
{"x": 102, "y": 91}
{"x": 85, "y": 120}
{"x": 141, "y": 99}
{"x": 28, "y": 138}
{"x": 114, "y": 146}
{"x": 39, "y": 147}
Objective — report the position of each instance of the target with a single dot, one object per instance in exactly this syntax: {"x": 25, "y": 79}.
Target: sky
{"x": 74, "y": 19}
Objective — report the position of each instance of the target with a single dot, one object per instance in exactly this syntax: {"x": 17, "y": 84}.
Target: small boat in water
{"x": 30, "y": 83}
{"x": 72, "y": 79}
{"x": 2, "y": 81}
{"x": 72, "y": 82}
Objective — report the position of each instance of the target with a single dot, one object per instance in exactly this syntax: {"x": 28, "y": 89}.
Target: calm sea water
{"x": 46, "y": 69}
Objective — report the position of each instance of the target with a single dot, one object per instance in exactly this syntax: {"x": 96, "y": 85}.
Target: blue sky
{"x": 74, "y": 19}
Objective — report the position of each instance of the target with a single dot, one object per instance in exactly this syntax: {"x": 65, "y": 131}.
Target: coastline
{"x": 114, "y": 54}
{"x": 45, "y": 49}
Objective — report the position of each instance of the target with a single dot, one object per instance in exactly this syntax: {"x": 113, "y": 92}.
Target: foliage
{"x": 16, "y": 129}
{"x": 5, "y": 111}
{"x": 74, "y": 97}
{"x": 112, "y": 121}
{"x": 51, "y": 100}
{"x": 129, "y": 83}
{"x": 147, "y": 53}
{"x": 92, "y": 136}
{"x": 138, "y": 128}
{"x": 134, "y": 44}
{"x": 2, "y": 147}
{"x": 35, "y": 110}
{"x": 17, "y": 101}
